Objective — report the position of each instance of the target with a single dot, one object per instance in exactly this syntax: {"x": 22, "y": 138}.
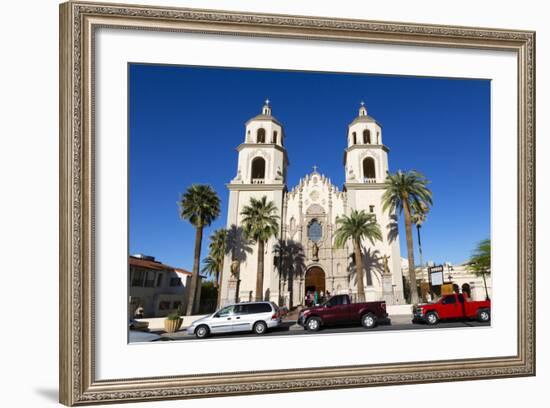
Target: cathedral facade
{"x": 303, "y": 256}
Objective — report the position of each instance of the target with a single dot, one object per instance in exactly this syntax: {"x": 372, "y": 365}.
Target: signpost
{"x": 435, "y": 276}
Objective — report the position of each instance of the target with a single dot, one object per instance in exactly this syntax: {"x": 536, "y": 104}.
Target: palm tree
{"x": 418, "y": 217}
{"x": 260, "y": 223}
{"x": 357, "y": 226}
{"x": 404, "y": 191}
{"x": 480, "y": 262}
{"x": 218, "y": 247}
{"x": 210, "y": 267}
{"x": 200, "y": 205}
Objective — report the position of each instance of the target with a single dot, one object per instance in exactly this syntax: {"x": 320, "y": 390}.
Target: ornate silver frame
{"x": 78, "y": 20}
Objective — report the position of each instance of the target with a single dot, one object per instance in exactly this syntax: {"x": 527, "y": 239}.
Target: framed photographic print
{"x": 256, "y": 203}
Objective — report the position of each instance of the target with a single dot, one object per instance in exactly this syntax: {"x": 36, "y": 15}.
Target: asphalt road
{"x": 291, "y": 329}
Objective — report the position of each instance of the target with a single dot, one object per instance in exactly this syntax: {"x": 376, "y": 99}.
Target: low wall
{"x": 157, "y": 323}
{"x": 399, "y": 309}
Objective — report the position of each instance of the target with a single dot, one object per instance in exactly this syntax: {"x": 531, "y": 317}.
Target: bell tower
{"x": 261, "y": 171}
{"x": 366, "y": 167}
{"x": 262, "y": 156}
{"x": 366, "y": 157}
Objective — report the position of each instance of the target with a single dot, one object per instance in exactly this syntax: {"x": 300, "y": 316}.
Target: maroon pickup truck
{"x": 454, "y": 306}
{"x": 339, "y": 310}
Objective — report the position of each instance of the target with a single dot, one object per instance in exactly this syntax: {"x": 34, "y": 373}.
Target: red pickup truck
{"x": 454, "y": 306}
{"x": 339, "y": 310}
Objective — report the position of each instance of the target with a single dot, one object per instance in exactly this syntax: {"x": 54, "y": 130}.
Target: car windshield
{"x": 226, "y": 311}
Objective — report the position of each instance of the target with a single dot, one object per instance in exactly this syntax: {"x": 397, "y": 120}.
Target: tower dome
{"x": 265, "y": 128}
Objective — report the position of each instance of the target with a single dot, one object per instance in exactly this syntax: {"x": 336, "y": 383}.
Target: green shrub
{"x": 173, "y": 316}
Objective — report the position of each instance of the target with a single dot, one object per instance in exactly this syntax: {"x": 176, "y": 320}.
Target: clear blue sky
{"x": 185, "y": 123}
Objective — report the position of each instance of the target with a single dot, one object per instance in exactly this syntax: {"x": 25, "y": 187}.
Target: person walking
{"x": 316, "y": 298}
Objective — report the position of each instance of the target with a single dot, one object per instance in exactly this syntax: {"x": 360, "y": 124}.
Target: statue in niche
{"x": 315, "y": 251}
{"x": 235, "y": 268}
{"x": 386, "y": 267}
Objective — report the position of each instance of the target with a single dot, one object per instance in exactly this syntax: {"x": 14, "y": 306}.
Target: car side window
{"x": 449, "y": 300}
{"x": 334, "y": 301}
{"x": 241, "y": 309}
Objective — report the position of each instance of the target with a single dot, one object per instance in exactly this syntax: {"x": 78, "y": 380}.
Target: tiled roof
{"x": 158, "y": 266}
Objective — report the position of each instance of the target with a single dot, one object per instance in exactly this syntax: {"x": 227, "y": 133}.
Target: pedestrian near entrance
{"x": 316, "y": 297}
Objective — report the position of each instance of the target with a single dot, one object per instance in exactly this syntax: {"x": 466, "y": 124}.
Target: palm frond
{"x": 200, "y": 205}
{"x": 356, "y": 226}
{"x": 260, "y": 221}
{"x": 480, "y": 261}
{"x": 209, "y": 266}
{"x": 410, "y": 187}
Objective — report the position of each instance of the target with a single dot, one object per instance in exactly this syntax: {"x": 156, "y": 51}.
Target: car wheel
{"x": 260, "y": 328}
{"x": 484, "y": 316}
{"x": 202, "y": 331}
{"x": 432, "y": 318}
{"x": 368, "y": 321}
{"x": 313, "y": 324}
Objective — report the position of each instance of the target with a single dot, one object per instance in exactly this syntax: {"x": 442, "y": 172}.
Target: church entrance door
{"x": 315, "y": 281}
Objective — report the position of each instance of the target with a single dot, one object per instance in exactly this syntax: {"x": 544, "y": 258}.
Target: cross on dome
{"x": 315, "y": 169}
{"x": 362, "y": 109}
{"x": 266, "y": 110}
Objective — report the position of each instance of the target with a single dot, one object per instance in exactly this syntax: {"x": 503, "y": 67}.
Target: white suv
{"x": 251, "y": 316}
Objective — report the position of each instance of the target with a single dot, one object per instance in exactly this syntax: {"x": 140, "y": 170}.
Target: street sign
{"x": 435, "y": 274}
{"x": 438, "y": 268}
{"x": 436, "y": 278}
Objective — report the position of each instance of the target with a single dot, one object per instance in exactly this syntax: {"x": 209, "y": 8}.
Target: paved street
{"x": 290, "y": 328}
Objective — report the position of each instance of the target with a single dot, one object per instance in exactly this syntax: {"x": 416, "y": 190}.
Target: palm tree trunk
{"x": 219, "y": 287}
{"x": 359, "y": 271}
{"x": 410, "y": 253}
{"x": 485, "y": 284}
{"x": 419, "y": 246}
{"x": 291, "y": 287}
{"x": 195, "y": 277}
{"x": 260, "y": 277}
{"x": 217, "y": 279}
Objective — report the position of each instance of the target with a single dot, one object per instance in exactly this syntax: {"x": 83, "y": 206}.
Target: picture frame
{"x": 78, "y": 24}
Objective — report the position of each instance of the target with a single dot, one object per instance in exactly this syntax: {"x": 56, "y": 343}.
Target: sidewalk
{"x": 399, "y": 319}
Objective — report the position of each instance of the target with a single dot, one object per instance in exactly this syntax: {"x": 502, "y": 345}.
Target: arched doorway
{"x": 315, "y": 280}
